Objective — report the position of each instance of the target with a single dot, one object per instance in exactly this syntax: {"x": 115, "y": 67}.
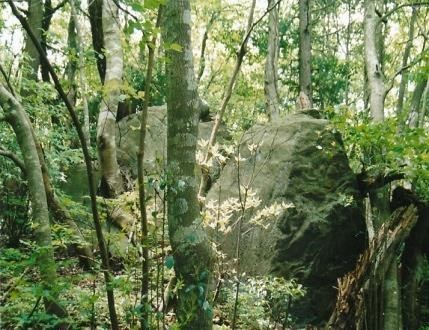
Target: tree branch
{"x": 228, "y": 91}
{"x": 6, "y": 78}
{"x": 367, "y": 183}
{"x": 12, "y": 156}
{"x": 412, "y": 4}
{"x": 400, "y": 71}
{"x": 125, "y": 10}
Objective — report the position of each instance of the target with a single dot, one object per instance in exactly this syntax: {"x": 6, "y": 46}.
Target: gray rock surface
{"x": 300, "y": 161}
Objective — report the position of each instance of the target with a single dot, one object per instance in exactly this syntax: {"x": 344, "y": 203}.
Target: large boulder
{"x": 127, "y": 139}
{"x": 298, "y": 161}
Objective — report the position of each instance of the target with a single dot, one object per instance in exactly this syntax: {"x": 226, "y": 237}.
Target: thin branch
{"x": 126, "y": 11}
{"x": 60, "y": 5}
{"x": 6, "y": 78}
{"x": 12, "y": 156}
{"x": 228, "y": 92}
{"x": 400, "y": 71}
{"x": 368, "y": 183}
{"x": 412, "y": 4}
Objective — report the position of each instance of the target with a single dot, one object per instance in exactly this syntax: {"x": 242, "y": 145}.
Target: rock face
{"x": 299, "y": 161}
{"x": 127, "y": 139}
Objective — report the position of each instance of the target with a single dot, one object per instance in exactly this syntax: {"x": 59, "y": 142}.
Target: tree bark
{"x": 81, "y": 71}
{"x": 375, "y": 84}
{"x": 405, "y": 58}
{"x": 358, "y": 304}
{"x": 17, "y": 118}
{"x": 71, "y": 66}
{"x": 272, "y": 99}
{"x": 34, "y": 18}
{"x": 305, "y": 49}
{"x": 95, "y": 19}
{"x": 416, "y": 101}
{"x": 423, "y": 109}
{"x": 189, "y": 242}
{"x": 111, "y": 181}
{"x": 144, "y": 320}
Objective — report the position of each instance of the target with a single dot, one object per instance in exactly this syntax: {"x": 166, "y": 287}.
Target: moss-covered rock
{"x": 301, "y": 161}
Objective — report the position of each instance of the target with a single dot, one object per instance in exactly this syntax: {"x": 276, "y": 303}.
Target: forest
{"x": 221, "y": 164}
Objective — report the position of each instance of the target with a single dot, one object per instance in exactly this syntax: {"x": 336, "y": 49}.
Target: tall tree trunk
{"x": 95, "y": 9}
{"x": 34, "y": 18}
{"x": 71, "y": 66}
{"x": 388, "y": 300}
{"x": 272, "y": 99}
{"x": 305, "y": 50}
{"x": 111, "y": 180}
{"x": 424, "y": 107}
{"x": 81, "y": 71}
{"x": 188, "y": 239}
{"x": 375, "y": 84}
{"x": 405, "y": 58}
{"x": 144, "y": 301}
{"x": 416, "y": 101}
{"x": 17, "y": 118}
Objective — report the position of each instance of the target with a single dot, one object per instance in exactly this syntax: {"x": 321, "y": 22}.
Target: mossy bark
{"x": 17, "y": 118}
{"x": 111, "y": 181}
{"x": 188, "y": 239}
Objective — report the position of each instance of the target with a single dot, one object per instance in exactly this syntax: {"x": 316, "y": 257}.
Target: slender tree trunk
{"x": 227, "y": 96}
{"x": 415, "y": 107}
{"x": 392, "y": 291}
{"x": 82, "y": 77}
{"x": 144, "y": 321}
{"x": 111, "y": 180}
{"x": 348, "y": 41}
{"x": 95, "y": 8}
{"x": 71, "y": 67}
{"x": 424, "y": 107}
{"x": 202, "y": 64}
{"x": 17, "y": 118}
{"x": 388, "y": 301}
{"x": 272, "y": 99}
{"x": 189, "y": 242}
{"x": 34, "y": 18}
{"x": 405, "y": 58}
{"x": 376, "y": 89}
{"x": 305, "y": 50}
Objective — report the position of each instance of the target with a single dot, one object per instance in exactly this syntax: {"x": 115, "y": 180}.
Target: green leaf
{"x": 169, "y": 262}
{"x": 176, "y": 47}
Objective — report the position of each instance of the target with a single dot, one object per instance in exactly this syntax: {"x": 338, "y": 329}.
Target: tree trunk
{"x": 305, "y": 49}
{"x": 188, "y": 239}
{"x": 405, "y": 58}
{"x": 71, "y": 66}
{"x": 375, "y": 85}
{"x": 423, "y": 109}
{"x": 272, "y": 99}
{"x": 415, "y": 107}
{"x": 81, "y": 70}
{"x": 111, "y": 180}
{"x": 95, "y": 19}
{"x": 34, "y": 18}
{"x": 17, "y": 118}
